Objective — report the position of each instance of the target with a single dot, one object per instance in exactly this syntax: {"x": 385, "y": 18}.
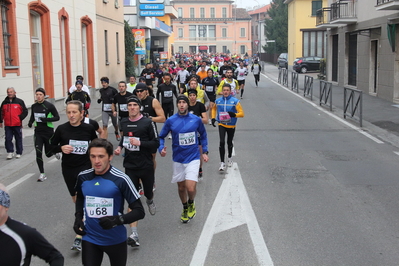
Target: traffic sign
{"x": 152, "y": 13}
{"x": 256, "y": 42}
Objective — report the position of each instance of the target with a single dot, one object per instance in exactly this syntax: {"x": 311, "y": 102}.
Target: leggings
{"x": 147, "y": 179}
{"x": 92, "y": 254}
{"x": 257, "y": 78}
{"x": 168, "y": 109}
{"x": 42, "y": 138}
{"x": 71, "y": 173}
{"x": 222, "y": 135}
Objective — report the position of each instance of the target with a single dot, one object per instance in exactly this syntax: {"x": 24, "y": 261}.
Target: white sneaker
{"x": 10, "y": 155}
{"x": 209, "y": 122}
{"x": 133, "y": 240}
{"x": 41, "y": 178}
{"x": 229, "y": 162}
{"x": 170, "y": 136}
{"x": 222, "y": 166}
{"x": 18, "y": 156}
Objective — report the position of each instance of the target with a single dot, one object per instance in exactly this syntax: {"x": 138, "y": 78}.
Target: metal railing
{"x": 322, "y": 16}
{"x": 353, "y": 99}
{"x": 343, "y": 9}
{"x": 308, "y": 87}
{"x": 381, "y": 2}
{"x": 325, "y": 94}
{"x": 294, "y": 81}
{"x": 285, "y": 77}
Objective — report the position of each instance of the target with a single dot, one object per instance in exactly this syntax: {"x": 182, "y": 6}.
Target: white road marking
{"x": 227, "y": 213}
{"x": 361, "y": 131}
{"x": 396, "y": 152}
{"x": 19, "y": 181}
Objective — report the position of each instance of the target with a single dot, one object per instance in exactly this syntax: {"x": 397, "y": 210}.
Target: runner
{"x": 186, "y": 156}
{"x": 121, "y": 100}
{"x": 256, "y": 69}
{"x": 165, "y": 94}
{"x": 132, "y": 84}
{"x": 72, "y": 138}
{"x": 182, "y": 77}
{"x": 107, "y": 97}
{"x": 241, "y": 73}
{"x": 42, "y": 117}
{"x": 210, "y": 83}
{"x": 140, "y": 139}
{"x": 101, "y": 193}
{"x": 81, "y": 96}
{"x": 232, "y": 82}
{"x": 226, "y": 111}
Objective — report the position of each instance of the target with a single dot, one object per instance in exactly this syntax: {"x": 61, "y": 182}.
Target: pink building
{"x": 211, "y": 26}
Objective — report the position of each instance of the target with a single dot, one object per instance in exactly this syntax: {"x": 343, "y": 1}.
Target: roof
{"x": 260, "y": 10}
{"x": 241, "y": 13}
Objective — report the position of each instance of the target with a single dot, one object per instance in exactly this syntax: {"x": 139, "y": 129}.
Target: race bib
{"x": 107, "y": 107}
{"x": 148, "y": 76}
{"x": 186, "y": 139}
{"x": 97, "y": 207}
{"x": 167, "y": 94}
{"x": 224, "y": 117}
{"x": 209, "y": 88}
{"x": 241, "y": 74}
{"x": 38, "y": 116}
{"x": 123, "y": 107}
{"x": 126, "y": 144}
{"x": 79, "y": 146}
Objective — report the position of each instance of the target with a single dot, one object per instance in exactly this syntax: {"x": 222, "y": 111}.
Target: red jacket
{"x": 13, "y": 112}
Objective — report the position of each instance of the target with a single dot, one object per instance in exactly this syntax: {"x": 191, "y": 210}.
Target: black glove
{"x": 79, "y": 225}
{"x": 29, "y": 124}
{"x": 109, "y": 222}
{"x": 213, "y": 122}
{"x": 231, "y": 114}
{"x": 43, "y": 119}
{"x": 99, "y": 101}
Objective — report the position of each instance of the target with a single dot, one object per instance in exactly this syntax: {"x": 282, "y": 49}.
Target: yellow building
{"x": 304, "y": 39}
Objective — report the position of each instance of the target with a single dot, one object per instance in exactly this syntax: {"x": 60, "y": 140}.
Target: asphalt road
{"x": 306, "y": 189}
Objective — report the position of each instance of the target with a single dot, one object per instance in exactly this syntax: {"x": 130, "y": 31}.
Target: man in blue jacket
{"x": 185, "y": 127}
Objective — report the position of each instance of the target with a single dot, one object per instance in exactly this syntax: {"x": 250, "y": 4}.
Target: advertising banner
{"x": 139, "y": 38}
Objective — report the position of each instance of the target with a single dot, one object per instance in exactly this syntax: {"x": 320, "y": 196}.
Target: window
{"x": 65, "y": 51}
{"x": 181, "y": 49}
{"x": 180, "y": 32}
{"x": 202, "y": 31}
{"x": 224, "y": 12}
{"x": 118, "y": 61}
{"x": 242, "y": 49}
{"x": 316, "y": 5}
{"x": 193, "y": 31}
{"x": 314, "y": 43}
{"x": 224, "y": 48}
{"x": 212, "y": 30}
{"x": 212, "y": 12}
{"x": 224, "y": 32}
{"x": 116, "y": 4}
{"x": 242, "y": 32}
{"x": 180, "y": 12}
{"x": 87, "y": 50}
{"x": 8, "y": 38}
{"x": 193, "y": 49}
{"x": 212, "y": 48}
{"x": 192, "y": 14}
{"x": 106, "y": 46}
{"x": 202, "y": 12}
{"x": 37, "y": 56}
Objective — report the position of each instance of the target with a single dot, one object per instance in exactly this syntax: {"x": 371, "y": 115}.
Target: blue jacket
{"x": 227, "y": 104}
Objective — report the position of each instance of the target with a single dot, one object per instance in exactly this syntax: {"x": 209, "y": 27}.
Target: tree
{"x": 276, "y": 28}
{"x": 129, "y": 51}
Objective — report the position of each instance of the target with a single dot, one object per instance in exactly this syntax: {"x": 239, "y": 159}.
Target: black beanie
{"x": 182, "y": 97}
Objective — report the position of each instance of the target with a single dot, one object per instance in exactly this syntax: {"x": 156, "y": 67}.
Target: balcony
{"x": 343, "y": 12}
{"x": 387, "y": 5}
{"x": 323, "y": 19}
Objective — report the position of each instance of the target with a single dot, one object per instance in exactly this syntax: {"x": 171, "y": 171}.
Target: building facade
{"x": 258, "y": 22}
{"x": 211, "y": 26}
{"x": 304, "y": 39}
{"x": 46, "y": 44}
{"x": 363, "y": 50}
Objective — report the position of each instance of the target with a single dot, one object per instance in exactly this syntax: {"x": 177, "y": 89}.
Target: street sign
{"x": 256, "y": 42}
{"x": 152, "y": 1}
{"x": 152, "y": 6}
{"x": 152, "y": 13}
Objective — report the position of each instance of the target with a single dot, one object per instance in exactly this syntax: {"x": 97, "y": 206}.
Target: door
{"x": 352, "y": 59}
{"x": 374, "y": 65}
{"x": 334, "y": 59}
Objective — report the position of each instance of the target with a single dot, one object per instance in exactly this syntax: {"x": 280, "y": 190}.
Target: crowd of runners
{"x": 206, "y": 91}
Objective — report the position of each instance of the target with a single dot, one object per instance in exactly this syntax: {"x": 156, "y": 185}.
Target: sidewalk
{"x": 379, "y": 116}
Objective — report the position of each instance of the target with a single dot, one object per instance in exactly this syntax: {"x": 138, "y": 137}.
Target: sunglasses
{"x": 139, "y": 90}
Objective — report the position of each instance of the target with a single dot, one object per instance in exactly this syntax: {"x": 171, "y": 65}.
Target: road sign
{"x": 256, "y": 42}
{"x": 152, "y": 13}
{"x": 152, "y": 6}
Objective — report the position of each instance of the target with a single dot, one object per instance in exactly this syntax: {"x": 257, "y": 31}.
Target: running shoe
{"x": 222, "y": 166}
{"x": 42, "y": 177}
{"x": 209, "y": 122}
{"x": 154, "y": 188}
{"x": 151, "y": 207}
{"x": 58, "y": 156}
{"x": 10, "y": 155}
{"x": 18, "y": 156}
{"x": 191, "y": 211}
{"x": 77, "y": 244}
{"x": 133, "y": 240}
{"x": 184, "y": 216}
{"x": 141, "y": 191}
{"x": 229, "y": 162}
{"x": 118, "y": 137}
{"x": 170, "y": 136}
{"x": 200, "y": 174}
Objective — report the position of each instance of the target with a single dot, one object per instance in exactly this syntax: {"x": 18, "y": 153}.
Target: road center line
{"x": 19, "y": 181}
{"x": 241, "y": 212}
{"x": 361, "y": 131}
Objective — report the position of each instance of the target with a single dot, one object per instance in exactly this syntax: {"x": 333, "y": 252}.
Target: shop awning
{"x": 203, "y": 47}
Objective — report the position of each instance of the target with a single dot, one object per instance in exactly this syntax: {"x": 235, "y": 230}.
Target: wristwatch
{"x": 206, "y": 152}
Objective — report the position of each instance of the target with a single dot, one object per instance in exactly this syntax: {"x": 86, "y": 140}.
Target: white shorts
{"x": 185, "y": 171}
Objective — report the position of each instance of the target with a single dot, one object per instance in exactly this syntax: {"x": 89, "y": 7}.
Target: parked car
{"x": 305, "y": 64}
{"x": 282, "y": 60}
